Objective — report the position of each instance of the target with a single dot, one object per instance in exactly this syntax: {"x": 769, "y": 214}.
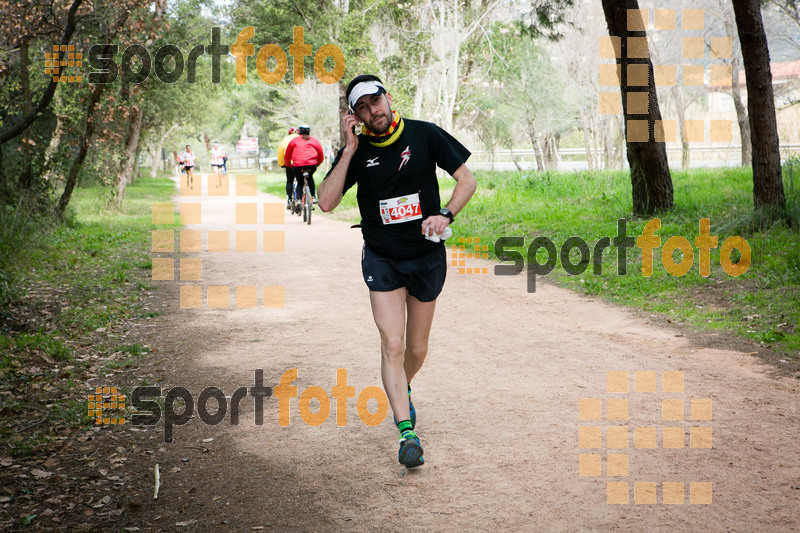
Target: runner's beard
{"x": 385, "y": 128}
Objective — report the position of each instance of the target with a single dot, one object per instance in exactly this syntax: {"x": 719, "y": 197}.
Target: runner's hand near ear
{"x": 349, "y": 122}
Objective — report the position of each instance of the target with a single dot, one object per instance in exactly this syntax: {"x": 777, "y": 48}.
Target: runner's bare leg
{"x": 418, "y": 329}
{"x": 389, "y": 312}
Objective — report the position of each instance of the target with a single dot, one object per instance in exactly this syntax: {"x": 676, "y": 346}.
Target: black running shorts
{"x": 422, "y": 276}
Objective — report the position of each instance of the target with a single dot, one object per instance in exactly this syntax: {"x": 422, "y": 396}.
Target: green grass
{"x": 763, "y": 304}
{"x": 74, "y": 283}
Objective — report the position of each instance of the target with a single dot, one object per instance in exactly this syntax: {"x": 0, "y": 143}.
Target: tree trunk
{"x": 22, "y": 124}
{"x": 55, "y": 142}
{"x": 83, "y": 146}
{"x": 736, "y": 92}
{"x": 680, "y": 111}
{"x": 587, "y": 143}
{"x": 126, "y": 165}
{"x": 26, "y": 174}
{"x": 549, "y": 157}
{"x": 159, "y": 149}
{"x": 767, "y": 180}
{"x": 741, "y": 117}
{"x": 537, "y": 149}
{"x": 513, "y": 157}
{"x": 650, "y": 177}
{"x": 135, "y": 173}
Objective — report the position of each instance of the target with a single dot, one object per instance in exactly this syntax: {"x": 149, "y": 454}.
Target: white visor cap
{"x": 364, "y": 88}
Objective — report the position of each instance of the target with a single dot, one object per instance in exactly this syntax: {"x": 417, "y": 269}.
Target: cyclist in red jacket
{"x": 304, "y": 153}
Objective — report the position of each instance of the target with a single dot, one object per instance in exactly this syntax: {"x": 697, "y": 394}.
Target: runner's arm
{"x": 329, "y": 191}
{"x": 465, "y": 188}
{"x": 466, "y": 185}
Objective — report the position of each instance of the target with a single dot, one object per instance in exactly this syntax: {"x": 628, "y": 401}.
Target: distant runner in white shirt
{"x": 187, "y": 159}
{"x": 218, "y": 157}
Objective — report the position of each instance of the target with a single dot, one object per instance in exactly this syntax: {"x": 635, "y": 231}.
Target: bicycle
{"x": 305, "y": 204}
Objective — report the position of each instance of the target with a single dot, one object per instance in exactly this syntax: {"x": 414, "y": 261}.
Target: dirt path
{"x": 497, "y": 403}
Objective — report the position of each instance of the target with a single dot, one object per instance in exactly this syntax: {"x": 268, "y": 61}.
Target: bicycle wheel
{"x": 307, "y": 204}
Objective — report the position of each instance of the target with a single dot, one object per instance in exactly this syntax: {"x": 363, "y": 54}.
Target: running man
{"x": 187, "y": 158}
{"x": 393, "y": 162}
{"x": 282, "y": 162}
{"x": 218, "y": 157}
{"x": 304, "y": 153}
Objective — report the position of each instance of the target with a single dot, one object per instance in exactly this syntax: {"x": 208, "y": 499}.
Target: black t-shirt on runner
{"x": 397, "y": 186}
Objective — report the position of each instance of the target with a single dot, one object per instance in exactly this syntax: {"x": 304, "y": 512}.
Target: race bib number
{"x": 400, "y": 209}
